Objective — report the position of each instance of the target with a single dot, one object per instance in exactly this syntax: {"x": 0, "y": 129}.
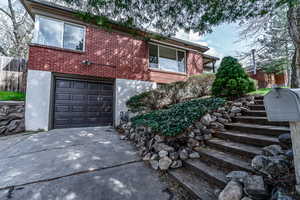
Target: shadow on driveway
{"x": 78, "y": 163}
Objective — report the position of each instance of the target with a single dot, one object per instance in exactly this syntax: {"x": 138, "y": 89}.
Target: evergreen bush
{"x": 231, "y": 80}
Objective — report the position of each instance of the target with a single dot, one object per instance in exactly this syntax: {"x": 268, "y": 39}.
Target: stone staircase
{"x": 229, "y": 150}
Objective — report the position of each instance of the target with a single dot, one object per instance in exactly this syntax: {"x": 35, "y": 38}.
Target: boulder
{"x": 176, "y": 164}
{"x": 163, "y": 153}
{"x": 194, "y": 155}
{"x": 275, "y": 166}
{"x": 193, "y": 142}
{"x": 154, "y": 157}
{"x": 235, "y": 109}
{"x": 272, "y": 150}
{"x": 232, "y": 191}
{"x": 279, "y": 194}
{"x": 237, "y": 104}
{"x": 183, "y": 154}
{"x": 154, "y": 164}
{"x": 147, "y": 157}
{"x": 174, "y": 155}
{"x": 285, "y": 141}
{"x": 159, "y": 138}
{"x": 164, "y": 163}
{"x": 254, "y": 187}
{"x": 161, "y": 146}
{"x": 237, "y": 176}
{"x": 206, "y": 119}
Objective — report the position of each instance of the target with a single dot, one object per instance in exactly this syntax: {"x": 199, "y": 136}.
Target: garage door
{"x": 81, "y": 103}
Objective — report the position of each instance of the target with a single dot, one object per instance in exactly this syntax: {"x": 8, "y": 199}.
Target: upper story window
{"x": 52, "y": 32}
{"x": 167, "y": 58}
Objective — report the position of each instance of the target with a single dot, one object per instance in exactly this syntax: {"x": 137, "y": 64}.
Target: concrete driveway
{"x": 71, "y": 164}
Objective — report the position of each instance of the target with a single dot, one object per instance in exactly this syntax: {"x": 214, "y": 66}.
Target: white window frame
{"x": 37, "y": 27}
{"x": 158, "y": 54}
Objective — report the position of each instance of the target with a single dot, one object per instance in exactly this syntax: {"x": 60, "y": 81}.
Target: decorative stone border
{"x": 12, "y": 118}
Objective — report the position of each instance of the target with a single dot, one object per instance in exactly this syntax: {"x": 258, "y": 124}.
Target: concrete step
{"x": 244, "y": 150}
{"x": 259, "y": 102}
{"x": 246, "y": 138}
{"x": 224, "y": 160}
{"x": 197, "y": 186}
{"x": 258, "y": 120}
{"x": 259, "y": 98}
{"x": 208, "y": 172}
{"x": 257, "y": 129}
{"x": 255, "y": 113}
{"x": 257, "y": 107}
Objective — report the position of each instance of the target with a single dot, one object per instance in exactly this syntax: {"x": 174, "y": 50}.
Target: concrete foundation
{"x": 126, "y": 89}
{"x": 37, "y": 108}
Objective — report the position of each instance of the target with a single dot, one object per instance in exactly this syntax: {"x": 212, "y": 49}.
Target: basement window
{"x": 56, "y": 33}
{"x": 167, "y": 58}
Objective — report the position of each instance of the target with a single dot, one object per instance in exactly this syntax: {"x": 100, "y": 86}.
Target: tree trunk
{"x": 294, "y": 81}
{"x": 293, "y": 15}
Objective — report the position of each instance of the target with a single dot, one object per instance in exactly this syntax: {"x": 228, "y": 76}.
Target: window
{"x": 57, "y": 33}
{"x": 166, "y": 58}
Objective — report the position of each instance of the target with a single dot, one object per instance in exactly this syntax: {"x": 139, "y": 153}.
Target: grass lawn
{"x": 262, "y": 91}
{"x": 11, "y": 96}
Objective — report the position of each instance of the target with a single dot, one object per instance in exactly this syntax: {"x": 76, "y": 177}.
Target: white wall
{"x": 37, "y": 100}
{"x": 126, "y": 89}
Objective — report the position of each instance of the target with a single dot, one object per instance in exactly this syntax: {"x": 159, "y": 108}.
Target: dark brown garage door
{"x": 81, "y": 103}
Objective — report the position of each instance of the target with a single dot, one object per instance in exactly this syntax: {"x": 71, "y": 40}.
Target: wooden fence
{"x": 12, "y": 74}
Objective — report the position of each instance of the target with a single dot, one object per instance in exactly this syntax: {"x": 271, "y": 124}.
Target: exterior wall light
{"x": 86, "y": 62}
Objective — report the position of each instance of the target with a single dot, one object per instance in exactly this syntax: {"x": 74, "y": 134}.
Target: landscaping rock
{"x": 176, "y": 164}
{"x": 147, "y": 157}
{"x": 183, "y": 154}
{"x": 232, "y": 191}
{"x": 246, "y": 198}
{"x": 272, "y": 150}
{"x": 154, "y": 164}
{"x": 193, "y": 142}
{"x": 235, "y": 109}
{"x": 206, "y": 120}
{"x": 280, "y": 195}
{"x": 275, "y": 166}
{"x": 11, "y": 118}
{"x": 255, "y": 187}
{"x": 285, "y": 141}
{"x": 159, "y": 138}
{"x": 174, "y": 155}
{"x": 161, "y": 146}
{"x": 164, "y": 163}
{"x": 163, "y": 153}
{"x": 194, "y": 155}
{"x": 154, "y": 157}
{"x": 237, "y": 176}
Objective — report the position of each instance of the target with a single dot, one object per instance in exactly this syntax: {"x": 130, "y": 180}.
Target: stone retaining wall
{"x": 11, "y": 117}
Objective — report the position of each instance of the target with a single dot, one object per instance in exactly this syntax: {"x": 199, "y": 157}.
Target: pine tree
{"x": 231, "y": 80}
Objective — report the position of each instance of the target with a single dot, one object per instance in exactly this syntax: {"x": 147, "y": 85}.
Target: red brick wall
{"x": 127, "y": 54}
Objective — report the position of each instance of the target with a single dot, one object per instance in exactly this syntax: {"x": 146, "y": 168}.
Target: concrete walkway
{"x": 71, "y": 164}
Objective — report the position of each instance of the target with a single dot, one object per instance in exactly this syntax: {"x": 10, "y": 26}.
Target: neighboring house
{"x": 209, "y": 63}
{"x": 267, "y": 80}
{"x": 81, "y": 75}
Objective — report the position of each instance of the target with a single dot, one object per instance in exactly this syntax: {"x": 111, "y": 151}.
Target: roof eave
{"x": 28, "y": 4}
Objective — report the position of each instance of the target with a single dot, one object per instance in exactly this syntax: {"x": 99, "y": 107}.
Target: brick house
{"x": 80, "y": 74}
{"x": 267, "y": 80}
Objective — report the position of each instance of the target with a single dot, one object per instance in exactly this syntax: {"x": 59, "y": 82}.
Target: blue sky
{"x": 222, "y": 41}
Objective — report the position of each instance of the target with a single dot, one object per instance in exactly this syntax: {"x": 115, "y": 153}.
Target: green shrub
{"x": 196, "y": 86}
{"x": 231, "y": 80}
{"x": 178, "y": 117}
